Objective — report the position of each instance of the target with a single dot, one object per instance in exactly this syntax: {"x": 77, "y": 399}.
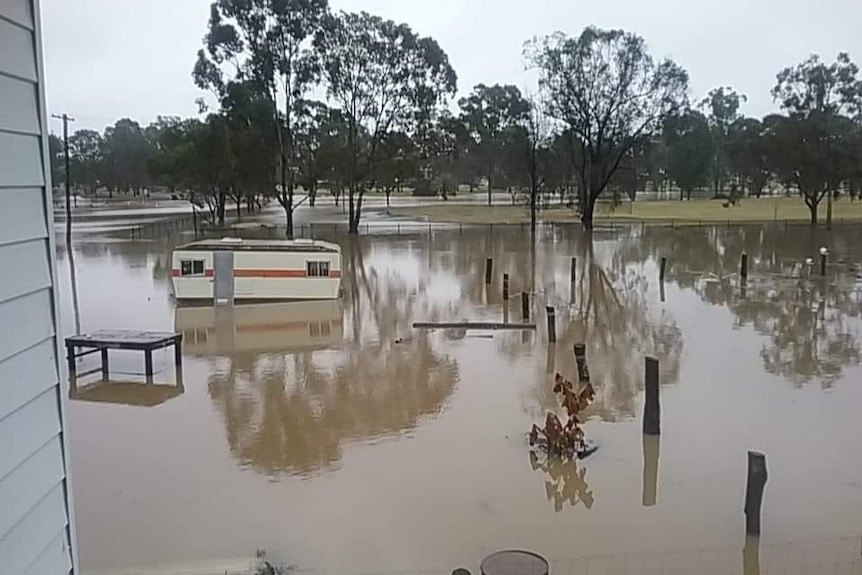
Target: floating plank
{"x": 473, "y": 325}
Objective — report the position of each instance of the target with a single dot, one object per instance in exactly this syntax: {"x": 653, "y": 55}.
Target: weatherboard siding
{"x": 36, "y": 532}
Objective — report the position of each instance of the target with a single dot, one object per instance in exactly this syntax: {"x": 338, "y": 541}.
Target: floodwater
{"x": 340, "y": 440}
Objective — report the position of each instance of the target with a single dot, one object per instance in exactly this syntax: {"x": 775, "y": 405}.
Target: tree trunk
{"x": 587, "y": 215}
{"x": 688, "y": 195}
{"x": 829, "y": 210}
{"x": 812, "y": 207}
{"x": 288, "y": 217}
{"x": 222, "y": 200}
{"x": 681, "y": 194}
{"x": 534, "y": 193}
{"x": 489, "y": 190}
{"x": 352, "y": 223}
{"x": 312, "y": 194}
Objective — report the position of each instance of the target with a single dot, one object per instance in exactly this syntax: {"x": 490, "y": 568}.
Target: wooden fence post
{"x": 525, "y": 306}
{"x": 652, "y": 403}
{"x": 552, "y": 324}
{"x": 662, "y": 269}
{"x": 489, "y": 268}
{"x": 755, "y": 484}
{"x": 505, "y": 287}
{"x": 743, "y": 268}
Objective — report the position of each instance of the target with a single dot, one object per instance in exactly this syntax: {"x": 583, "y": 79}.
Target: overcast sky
{"x": 107, "y": 59}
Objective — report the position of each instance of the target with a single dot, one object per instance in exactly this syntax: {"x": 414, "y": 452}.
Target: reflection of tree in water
{"x": 611, "y": 314}
{"x": 811, "y": 325}
{"x": 289, "y": 415}
{"x": 565, "y": 482}
{"x": 291, "y": 412}
{"x": 612, "y": 317}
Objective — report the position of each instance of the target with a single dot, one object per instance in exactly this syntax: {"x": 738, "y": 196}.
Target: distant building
{"x": 36, "y": 530}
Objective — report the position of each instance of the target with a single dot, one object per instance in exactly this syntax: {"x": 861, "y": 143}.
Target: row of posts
{"x": 743, "y": 267}
{"x": 756, "y": 471}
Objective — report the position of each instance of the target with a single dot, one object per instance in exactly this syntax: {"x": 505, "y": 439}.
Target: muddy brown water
{"x": 337, "y": 438}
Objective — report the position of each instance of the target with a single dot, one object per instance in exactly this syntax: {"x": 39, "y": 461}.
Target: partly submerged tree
{"x": 611, "y": 94}
{"x": 382, "y": 77}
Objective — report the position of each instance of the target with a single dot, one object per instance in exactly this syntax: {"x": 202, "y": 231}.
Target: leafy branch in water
{"x": 565, "y": 440}
{"x": 263, "y": 566}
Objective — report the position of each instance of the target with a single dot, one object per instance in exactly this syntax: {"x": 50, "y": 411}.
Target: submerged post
{"x": 505, "y": 287}
{"x": 662, "y": 269}
{"x": 581, "y": 361}
{"x": 757, "y": 477}
{"x": 652, "y": 404}
{"x": 743, "y": 268}
{"x": 552, "y": 324}
{"x": 824, "y": 258}
{"x": 489, "y": 268}
{"x": 105, "y": 368}
{"x": 574, "y": 272}
{"x": 148, "y": 364}
{"x": 525, "y": 306}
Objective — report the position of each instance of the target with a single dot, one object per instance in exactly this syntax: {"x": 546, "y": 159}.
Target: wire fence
{"x": 188, "y": 222}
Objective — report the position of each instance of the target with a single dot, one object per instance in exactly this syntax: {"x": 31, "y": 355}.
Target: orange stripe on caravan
{"x": 269, "y": 273}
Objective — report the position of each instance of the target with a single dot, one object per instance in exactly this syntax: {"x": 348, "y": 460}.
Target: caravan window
{"x": 317, "y": 269}
{"x": 192, "y": 267}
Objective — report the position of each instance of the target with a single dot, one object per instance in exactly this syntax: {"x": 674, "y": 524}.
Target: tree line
{"x": 308, "y": 99}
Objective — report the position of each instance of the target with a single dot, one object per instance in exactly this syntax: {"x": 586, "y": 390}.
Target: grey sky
{"x": 107, "y": 59}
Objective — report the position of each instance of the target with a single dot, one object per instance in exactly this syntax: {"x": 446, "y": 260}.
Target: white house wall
{"x": 35, "y": 527}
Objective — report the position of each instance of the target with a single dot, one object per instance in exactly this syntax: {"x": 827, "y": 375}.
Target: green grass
{"x": 693, "y": 212}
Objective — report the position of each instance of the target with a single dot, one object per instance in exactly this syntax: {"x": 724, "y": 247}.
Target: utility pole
{"x": 66, "y": 119}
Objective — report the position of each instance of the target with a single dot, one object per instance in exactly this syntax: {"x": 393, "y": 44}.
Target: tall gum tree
{"x": 271, "y": 44}
{"x": 382, "y": 77}
{"x": 821, "y": 100}
{"x": 610, "y": 93}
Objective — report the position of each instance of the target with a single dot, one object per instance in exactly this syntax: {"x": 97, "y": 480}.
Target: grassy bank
{"x": 693, "y": 212}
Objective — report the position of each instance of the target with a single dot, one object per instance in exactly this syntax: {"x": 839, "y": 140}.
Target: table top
{"x": 122, "y": 338}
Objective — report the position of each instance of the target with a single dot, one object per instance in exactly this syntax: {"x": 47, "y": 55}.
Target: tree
{"x": 722, "y": 107}
{"x": 747, "y": 154}
{"x": 535, "y": 137}
{"x": 382, "y": 77}
{"x": 85, "y": 150}
{"x": 489, "y": 112}
{"x": 126, "y": 152}
{"x": 818, "y": 133}
{"x": 690, "y": 150}
{"x": 310, "y": 134}
{"x": 398, "y": 163}
{"x": 610, "y": 93}
{"x": 270, "y": 43}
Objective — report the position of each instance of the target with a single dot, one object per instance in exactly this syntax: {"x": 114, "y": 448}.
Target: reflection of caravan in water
{"x": 259, "y": 328}
{"x": 263, "y": 270}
